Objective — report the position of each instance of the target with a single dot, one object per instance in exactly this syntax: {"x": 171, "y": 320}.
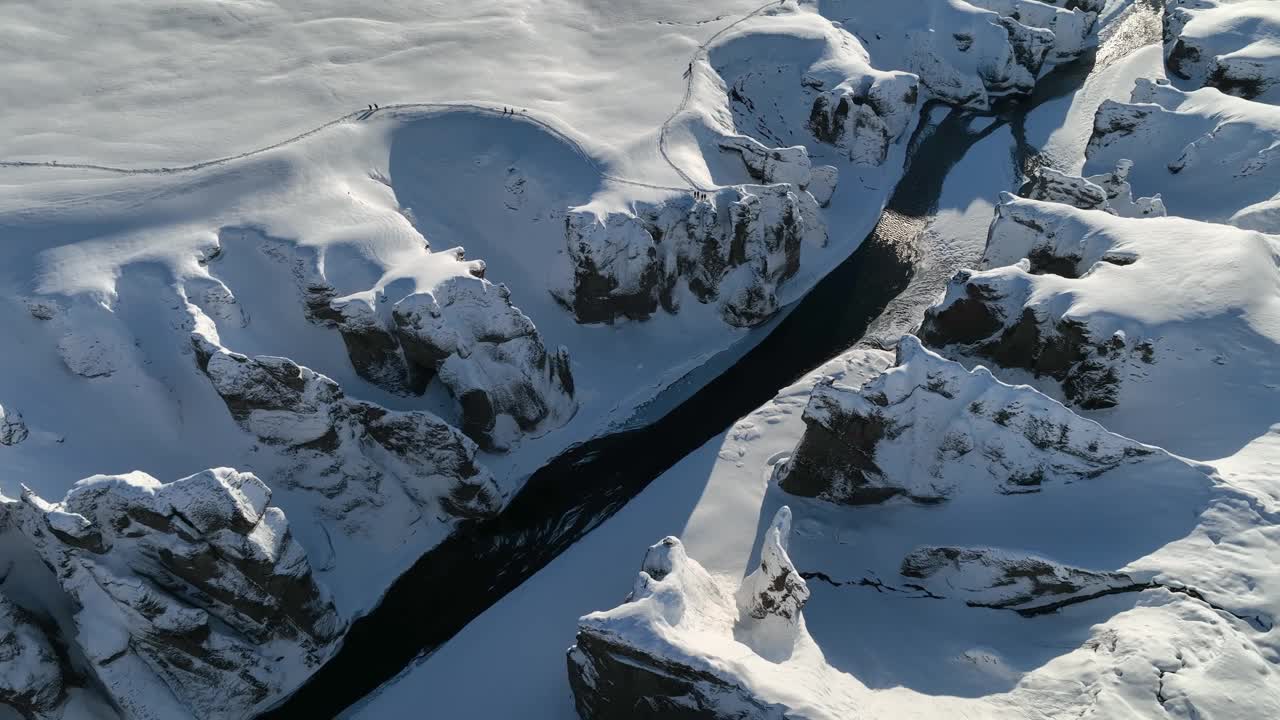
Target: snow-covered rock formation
{"x": 634, "y": 661}
{"x": 12, "y": 428}
{"x": 946, "y": 579}
{"x": 190, "y": 598}
{"x": 1100, "y": 302}
{"x": 771, "y": 597}
{"x": 864, "y": 114}
{"x": 463, "y": 331}
{"x": 1210, "y": 156}
{"x": 489, "y": 355}
{"x": 734, "y": 247}
{"x": 1231, "y": 45}
{"x": 990, "y": 578}
{"x": 346, "y": 449}
{"x": 31, "y": 679}
{"x": 1107, "y": 191}
{"x": 927, "y": 426}
{"x": 968, "y": 53}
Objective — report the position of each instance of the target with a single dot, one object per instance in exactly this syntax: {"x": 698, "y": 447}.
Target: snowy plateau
{"x": 612, "y": 359}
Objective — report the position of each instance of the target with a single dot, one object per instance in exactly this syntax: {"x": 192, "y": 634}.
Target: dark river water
{"x": 584, "y": 486}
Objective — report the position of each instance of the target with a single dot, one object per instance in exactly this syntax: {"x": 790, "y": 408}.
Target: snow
{"x": 1230, "y": 44}
{"x": 1209, "y": 155}
{"x": 209, "y": 171}
{"x": 108, "y": 272}
{"x": 873, "y": 650}
{"x": 1205, "y": 296}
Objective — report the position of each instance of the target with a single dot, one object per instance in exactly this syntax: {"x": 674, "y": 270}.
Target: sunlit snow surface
{"x": 890, "y": 654}
{"x": 166, "y": 169}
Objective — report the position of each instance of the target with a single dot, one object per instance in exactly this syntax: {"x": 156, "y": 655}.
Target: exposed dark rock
{"x": 347, "y": 448}
{"x": 31, "y": 679}
{"x": 12, "y": 428}
{"x": 927, "y": 424}
{"x": 613, "y": 681}
{"x": 736, "y": 247}
{"x": 985, "y": 577}
{"x": 197, "y": 582}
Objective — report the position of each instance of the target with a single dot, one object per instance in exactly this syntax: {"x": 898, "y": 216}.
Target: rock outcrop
{"x": 490, "y": 357}
{"x": 970, "y": 54}
{"x": 734, "y": 247}
{"x": 985, "y": 577}
{"x": 635, "y": 661}
{"x": 1100, "y": 304}
{"x": 193, "y": 588}
{"x": 1110, "y": 192}
{"x": 775, "y": 589}
{"x": 997, "y": 313}
{"x": 1069, "y": 22}
{"x": 12, "y": 428}
{"x": 346, "y": 449}
{"x": 771, "y": 597}
{"x": 1211, "y": 156}
{"x": 790, "y": 165}
{"x": 31, "y": 680}
{"x": 1225, "y": 44}
{"x": 865, "y": 114}
{"x": 464, "y": 332}
{"x": 927, "y": 425}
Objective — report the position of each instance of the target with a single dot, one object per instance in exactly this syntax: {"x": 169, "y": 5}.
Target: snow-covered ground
{"x": 718, "y": 501}
{"x": 216, "y": 252}
{"x": 1192, "y": 634}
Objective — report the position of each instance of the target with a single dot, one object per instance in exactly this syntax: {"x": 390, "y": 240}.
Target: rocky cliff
{"x": 1225, "y": 44}
{"x": 31, "y": 678}
{"x": 347, "y": 449}
{"x": 464, "y": 332}
{"x": 927, "y": 425}
{"x": 634, "y": 661}
{"x": 734, "y": 247}
{"x": 191, "y": 592}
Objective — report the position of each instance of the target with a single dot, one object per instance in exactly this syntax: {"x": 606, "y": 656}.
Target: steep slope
{"x": 1231, "y": 45}
{"x": 1211, "y": 156}
{"x": 966, "y": 560}
{"x": 1144, "y": 315}
{"x": 189, "y": 597}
